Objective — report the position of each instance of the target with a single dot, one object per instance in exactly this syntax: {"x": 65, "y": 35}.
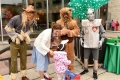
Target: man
{"x": 18, "y": 30}
{"x": 91, "y": 31}
{"x": 69, "y": 30}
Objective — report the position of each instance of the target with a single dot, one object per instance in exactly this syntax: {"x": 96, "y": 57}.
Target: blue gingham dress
{"x": 40, "y": 60}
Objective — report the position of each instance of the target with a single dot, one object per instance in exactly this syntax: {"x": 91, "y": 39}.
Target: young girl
{"x": 61, "y": 61}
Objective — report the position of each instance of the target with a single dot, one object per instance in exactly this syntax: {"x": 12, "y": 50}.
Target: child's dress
{"x": 61, "y": 63}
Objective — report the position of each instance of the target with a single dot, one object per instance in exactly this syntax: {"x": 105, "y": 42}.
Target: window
{"x": 66, "y": 1}
{"x": 45, "y": 4}
{"x": 56, "y": 1}
{"x": 38, "y": 5}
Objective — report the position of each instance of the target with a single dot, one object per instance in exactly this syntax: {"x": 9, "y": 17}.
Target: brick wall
{"x": 114, "y": 10}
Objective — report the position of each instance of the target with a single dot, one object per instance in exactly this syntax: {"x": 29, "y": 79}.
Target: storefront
{"x": 47, "y": 10}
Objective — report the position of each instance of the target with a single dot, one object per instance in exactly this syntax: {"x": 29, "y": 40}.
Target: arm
{"x": 102, "y": 35}
{"x": 66, "y": 62}
{"x": 75, "y": 31}
{"x": 56, "y": 56}
{"x": 81, "y": 36}
{"x": 10, "y": 28}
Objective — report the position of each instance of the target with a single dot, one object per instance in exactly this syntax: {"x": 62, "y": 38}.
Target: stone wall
{"x": 114, "y": 10}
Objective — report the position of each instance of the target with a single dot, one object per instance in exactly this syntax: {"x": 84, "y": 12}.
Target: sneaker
{"x": 84, "y": 72}
{"x": 95, "y": 75}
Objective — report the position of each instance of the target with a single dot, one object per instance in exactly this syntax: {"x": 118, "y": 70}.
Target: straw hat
{"x": 30, "y": 8}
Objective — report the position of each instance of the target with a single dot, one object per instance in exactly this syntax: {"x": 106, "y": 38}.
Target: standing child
{"x": 61, "y": 61}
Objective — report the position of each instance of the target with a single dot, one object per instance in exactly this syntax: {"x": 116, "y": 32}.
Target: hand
{"x": 81, "y": 42}
{"x": 20, "y": 37}
{"x": 27, "y": 38}
{"x": 100, "y": 44}
{"x": 51, "y": 52}
{"x": 64, "y": 31}
{"x": 13, "y": 38}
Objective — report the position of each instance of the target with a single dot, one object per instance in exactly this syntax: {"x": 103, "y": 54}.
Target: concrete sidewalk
{"x": 102, "y": 74}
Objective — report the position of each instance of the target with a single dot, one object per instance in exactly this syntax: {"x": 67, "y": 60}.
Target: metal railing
{"x": 9, "y": 58}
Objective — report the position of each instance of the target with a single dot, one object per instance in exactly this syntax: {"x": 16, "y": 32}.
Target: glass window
{"x": 66, "y": 1}
{"x": 56, "y": 1}
{"x": 38, "y": 5}
{"x": 10, "y": 8}
{"x": 41, "y": 18}
{"x": 45, "y": 4}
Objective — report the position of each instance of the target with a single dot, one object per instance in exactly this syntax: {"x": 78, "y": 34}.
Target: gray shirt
{"x": 15, "y": 22}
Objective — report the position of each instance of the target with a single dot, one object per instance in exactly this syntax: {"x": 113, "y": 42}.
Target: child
{"x": 61, "y": 61}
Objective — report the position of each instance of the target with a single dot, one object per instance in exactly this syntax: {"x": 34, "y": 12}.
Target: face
{"x": 30, "y": 15}
{"x": 90, "y": 16}
{"x": 56, "y": 32}
{"x": 65, "y": 16}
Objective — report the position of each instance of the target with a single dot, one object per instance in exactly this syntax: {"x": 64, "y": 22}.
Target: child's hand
{"x": 51, "y": 52}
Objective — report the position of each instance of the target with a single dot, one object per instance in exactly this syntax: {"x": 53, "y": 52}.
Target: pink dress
{"x": 61, "y": 61}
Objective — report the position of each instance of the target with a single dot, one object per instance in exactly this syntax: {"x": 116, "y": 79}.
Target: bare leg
{"x": 85, "y": 67}
{"x": 42, "y": 74}
{"x": 86, "y": 63}
{"x": 95, "y": 65}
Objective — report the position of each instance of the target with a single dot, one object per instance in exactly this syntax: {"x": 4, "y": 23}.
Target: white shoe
{"x": 43, "y": 79}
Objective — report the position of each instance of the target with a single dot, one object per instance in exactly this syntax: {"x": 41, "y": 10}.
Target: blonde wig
{"x": 25, "y": 20}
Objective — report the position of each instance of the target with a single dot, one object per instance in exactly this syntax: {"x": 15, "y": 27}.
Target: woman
{"x": 42, "y": 45}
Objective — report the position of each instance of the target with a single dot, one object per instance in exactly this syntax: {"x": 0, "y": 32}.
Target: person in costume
{"x": 41, "y": 48}
{"x": 61, "y": 61}
{"x": 69, "y": 30}
{"x": 18, "y": 30}
{"x": 92, "y": 37}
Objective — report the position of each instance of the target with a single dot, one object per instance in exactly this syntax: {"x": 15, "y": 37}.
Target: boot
{"x": 25, "y": 78}
{"x": 95, "y": 75}
{"x": 13, "y": 76}
{"x": 84, "y": 72}
{"x": 23, "y": 75}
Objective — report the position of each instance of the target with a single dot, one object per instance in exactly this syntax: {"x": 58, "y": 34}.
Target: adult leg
{"x": 14, "y": 49}
{"x": 70, "y": 55}
{"x": 23, "y": 58}
{"x": 86, "y": 57}
{"x": 42, "y": 65}
{"x": 95, "y": 57}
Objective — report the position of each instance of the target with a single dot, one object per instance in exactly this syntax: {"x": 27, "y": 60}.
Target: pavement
{"x": 33, "y": 74}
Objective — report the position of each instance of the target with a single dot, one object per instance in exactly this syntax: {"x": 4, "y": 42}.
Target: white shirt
{"x": 43, "y": 41}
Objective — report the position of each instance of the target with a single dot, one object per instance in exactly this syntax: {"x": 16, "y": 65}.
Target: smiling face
{"x": 30, "y": 15}
{"x": 65, "y": 16}
{"x": 90, "y": 14}
{"x": 56, "y": 32}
